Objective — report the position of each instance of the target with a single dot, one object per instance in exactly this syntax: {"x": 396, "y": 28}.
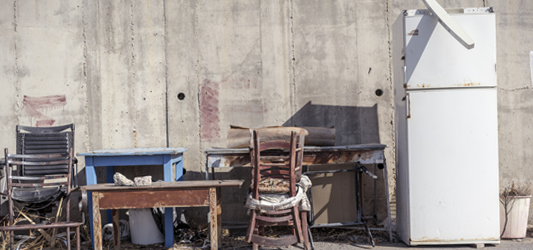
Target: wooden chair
{"x": 40, "y": 175}
{"x": 277, "y": 161}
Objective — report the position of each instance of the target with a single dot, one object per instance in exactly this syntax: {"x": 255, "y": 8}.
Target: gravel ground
{"x": 324, "y": 239}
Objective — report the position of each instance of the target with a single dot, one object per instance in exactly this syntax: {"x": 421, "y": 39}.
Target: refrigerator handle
{"x": 408, "y": 106}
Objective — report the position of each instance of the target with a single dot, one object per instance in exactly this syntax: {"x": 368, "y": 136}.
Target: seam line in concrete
{"x": 166, "y": 71}
{"x": 197, "y": 68}
{"x": 86, "y": 108}
{"x": 133, "y": 75}
{"x": 17, "y": 80}
{"x": 293, "y": 61}
{"x": 392, "y": 174}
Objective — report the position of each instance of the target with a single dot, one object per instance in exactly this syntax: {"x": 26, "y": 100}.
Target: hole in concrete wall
{"x": 379, "y": 92}
{"x": 181, "y": 96}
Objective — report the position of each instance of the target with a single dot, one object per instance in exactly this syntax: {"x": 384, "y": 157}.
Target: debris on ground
{"x": 36, "y": 239}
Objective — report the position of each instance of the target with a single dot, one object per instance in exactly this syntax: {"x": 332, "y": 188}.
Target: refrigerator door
{"x": 435, "y": 59}
{"x": 453, "y": 166}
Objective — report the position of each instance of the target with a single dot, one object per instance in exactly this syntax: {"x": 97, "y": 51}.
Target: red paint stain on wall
{"x": 35, "y": 106}
{"x": 209, "y": 112}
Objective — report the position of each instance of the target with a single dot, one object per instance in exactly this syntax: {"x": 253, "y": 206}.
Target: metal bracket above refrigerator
{"x": 449, "y": 24}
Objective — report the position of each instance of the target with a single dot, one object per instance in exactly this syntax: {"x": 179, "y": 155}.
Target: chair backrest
{"x": 38, "y": 187}
{"x": 58, "y": 140}
{"x": 279, "y": 160}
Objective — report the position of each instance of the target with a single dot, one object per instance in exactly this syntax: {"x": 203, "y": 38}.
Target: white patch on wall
{"x": 531, "y": 65}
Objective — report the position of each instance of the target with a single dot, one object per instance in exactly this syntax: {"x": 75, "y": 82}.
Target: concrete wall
{"x": 116, "y": 69}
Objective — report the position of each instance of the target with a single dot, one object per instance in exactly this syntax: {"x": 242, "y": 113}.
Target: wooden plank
{"x": 449, "y": 24}
{"x": 167, "y": 185}
{"x": 127, "y": 199}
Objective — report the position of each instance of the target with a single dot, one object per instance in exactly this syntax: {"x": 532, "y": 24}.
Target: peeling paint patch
{"x": 209, "y": 112}
{"x": 35, "y": 106}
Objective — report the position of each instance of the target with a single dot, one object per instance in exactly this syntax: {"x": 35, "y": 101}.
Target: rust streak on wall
{"x": 209, "y": 112}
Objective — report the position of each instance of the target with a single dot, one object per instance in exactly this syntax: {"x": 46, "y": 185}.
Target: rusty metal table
{"x": 313, "y": 155}
{"x": 159, "y": 194}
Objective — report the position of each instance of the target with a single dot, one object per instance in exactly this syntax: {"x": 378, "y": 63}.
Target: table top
{"x": 134, "y": 151}
{"x": 307, "y": 149}
{"x": 163, "y": 185}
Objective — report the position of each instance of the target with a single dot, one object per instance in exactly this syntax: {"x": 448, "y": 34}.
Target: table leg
{"x": 179, "y": 169}
{"x": 388, "y": 200}
{"x": 97, "y": 224}
{"x": 116, "y": 229}
{"x": 219, "y": 216}
{"x": 375, "y": 195}
{"x": 169, "y": 227}
{"x": 167, "y": 168}
{"x": 169, "y": 212}
{"x": 207, "y": 168}
{"x": 213, "y": 230}
{"x": 90, "y": 178}
{"x": 110, "y": 171}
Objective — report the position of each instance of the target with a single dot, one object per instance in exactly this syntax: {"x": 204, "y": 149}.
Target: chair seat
{"x": 274, "y": 186}
{"x": 37, "y": 194}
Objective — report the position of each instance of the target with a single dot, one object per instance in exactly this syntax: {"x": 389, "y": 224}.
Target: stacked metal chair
{"x": 39, "y": 175}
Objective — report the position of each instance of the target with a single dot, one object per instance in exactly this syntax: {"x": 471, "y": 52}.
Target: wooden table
{"x": 159, "y": 194}
{"x": 109, "y": 158}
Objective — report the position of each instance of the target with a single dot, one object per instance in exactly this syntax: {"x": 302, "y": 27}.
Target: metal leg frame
{"x": 360, "y": 200}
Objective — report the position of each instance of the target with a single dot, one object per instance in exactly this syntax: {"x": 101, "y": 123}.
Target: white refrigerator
{"x": 447, "y": 129}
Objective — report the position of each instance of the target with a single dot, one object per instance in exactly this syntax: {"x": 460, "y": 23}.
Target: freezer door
{"x": 435, "y": 59}
{"x": 453, "y": 166}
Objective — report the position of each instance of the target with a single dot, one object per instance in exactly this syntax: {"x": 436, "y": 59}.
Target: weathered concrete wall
{"x": 178, "y": 73}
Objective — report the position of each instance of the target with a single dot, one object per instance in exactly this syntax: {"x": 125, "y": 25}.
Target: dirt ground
{"x": 324, "y": 238}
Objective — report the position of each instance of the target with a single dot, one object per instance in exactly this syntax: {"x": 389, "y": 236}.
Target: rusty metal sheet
{"x": 156, "y": 198}
{"x": 364, "y": 157}
{"x": 229, "y": 160}
{"x": 310, "y": 157}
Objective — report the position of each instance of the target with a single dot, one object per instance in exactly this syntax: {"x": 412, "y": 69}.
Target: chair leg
{"x": 251, "y": 226}
{"x": 78, "y": 238}
{"x": 255, "y": 246}
{"x": 11, "y": 239}
{"x": 297, "y": 223}
{"x": 68, "y": 238}
{"x": 305, "y": 231}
